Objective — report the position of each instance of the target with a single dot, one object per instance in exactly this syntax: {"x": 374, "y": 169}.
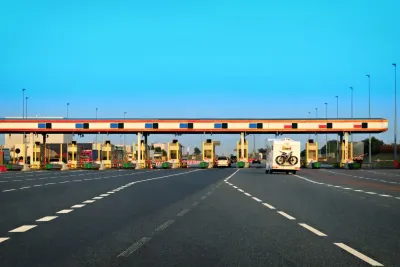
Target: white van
{"x": 283, "y": 155}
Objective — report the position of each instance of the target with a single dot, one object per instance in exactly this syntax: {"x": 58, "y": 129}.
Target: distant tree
{"x": 164, "y": 153}
{"x": 197, "y": 151}
{"x": 303, "y": 153}
{"x": 157, "y": 149}
{"x": 375, "y": 145}
{"x": 152, "y": 147}
{"x": 262, "y": 150}
{"x": 332, "y": 145}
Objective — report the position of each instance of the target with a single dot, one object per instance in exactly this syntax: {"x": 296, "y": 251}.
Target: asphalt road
{"x": 192, "y": 217}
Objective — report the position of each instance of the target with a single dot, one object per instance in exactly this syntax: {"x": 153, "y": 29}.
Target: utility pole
{"x": 316, "y": 135}
{"x": 352, "y": 115}
{"x": 326, "y": 135}
{"x": 369, "y": 115}
{"x": 337, "y": 136}
{"x": 395, "y": 113}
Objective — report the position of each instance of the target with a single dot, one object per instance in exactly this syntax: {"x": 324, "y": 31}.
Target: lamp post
{"x": 309, "y": 115}
{"x": 395, "y": 113}
{"x": 326, "y": 135}
{"x": 67, "y": 109}
{"x": 316, "y": 135}
{"x": 369, "y": 115}
{"x": 124, "y": 139}
{"x": 351, "y": 88}
{"x": 26, "y": 107}
{"x": 337, "y": 136}
{"x": 23, "y": 103}
{"x": 97, "y": 148}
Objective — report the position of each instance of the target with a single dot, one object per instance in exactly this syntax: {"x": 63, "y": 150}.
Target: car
{"x": 233, "y": 159}
{"x": 256, "y": 161}
{"x": 222, "y": 161}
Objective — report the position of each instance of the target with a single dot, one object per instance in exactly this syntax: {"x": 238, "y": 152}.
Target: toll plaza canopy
{"x": 192, "y": 126}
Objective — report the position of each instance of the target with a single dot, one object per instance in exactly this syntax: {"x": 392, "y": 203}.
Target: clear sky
{"x": 206, "y": 58}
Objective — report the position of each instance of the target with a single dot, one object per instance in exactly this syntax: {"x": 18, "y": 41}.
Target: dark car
{"x": 256, "y": 161}
{"x": 233, "y": 159}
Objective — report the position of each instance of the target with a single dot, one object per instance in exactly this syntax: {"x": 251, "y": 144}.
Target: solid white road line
{"x": 247, "y": 194}
{"x": 22, "y": 228}
{"x": 286, "y": 215}
{"x": 134, "y": 247}
{"x": 183, "y": 212}
{"x": 88, "y": 201}
{"x": 78, "y": 206}
{"x": 268, "y": 206}
{"x": 358, "y": 254}
{"x": 230, "y": 176}
{"x": 47, "y": 219}
{"x": 256, "y": 199}
{"x": 64, "y": 211}
{"x": 2, "y": 239}
{"x": 164, "y": 225}
{"x": 312, "y": 229}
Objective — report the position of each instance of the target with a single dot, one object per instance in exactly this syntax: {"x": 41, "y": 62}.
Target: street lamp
{"x": 97, "y": 148}
{"x": 26, "y": 107}
{"x": 23, "y": 103}
{"x": 309, "y": 114}
{"x": 316, "y": 135}
{"x": 326, "y": 135}
{"x": 124, "y": 138}
{"x": 67, "y": 109}
{"x": 369, "y": 115}
{"x": 395, "y": 113}
{"x": 351, "y": 88}
{"x": 337, "y": 136}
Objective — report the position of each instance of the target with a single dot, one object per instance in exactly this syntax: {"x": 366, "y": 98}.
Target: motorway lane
{"x": 373, "y": 183}
{"x": 367, "y": 223}
{"x": 95, "y": 234}
{"x": 23, "y": 206}
{"x": 227, "y": 228}
{"x": 193, "y": 218}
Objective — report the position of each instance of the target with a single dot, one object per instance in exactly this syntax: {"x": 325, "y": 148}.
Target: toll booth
{"x": 311, "y": 152}
{"x": 36, "y": 153}
{"x": 245, "y": 157}
{"x": 174, "y": 154}
{"x": 208, "y": 152}
{"x": 72, "y": 150}
{"x": 346, "y": 158}
{"x": 143, "y": 156}
{"x": 106, "y": 154}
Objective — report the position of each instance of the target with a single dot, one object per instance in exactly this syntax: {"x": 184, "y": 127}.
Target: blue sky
{"x": 204, "y": 58}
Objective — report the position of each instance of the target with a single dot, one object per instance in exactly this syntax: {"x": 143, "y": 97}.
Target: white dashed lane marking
{"x": 164, "y": 225}
{"x": 183, "y": 212}
{"x": 134, "y": 247}
{"x": 2, "y": 239}
{"x": 312, "y": 229}
{"x": 286, "y": 215}
{"x": 22, "y": 229}
{"x": 104, "y": 195}
{"x": 257, "y": 199}
{"x": 97, "y": 197}
{"x": 247, "y": 194}
{"x": 46, "y": 219}
{"x": 269, "y": 206}
{"x": 64, "y": 211}
{"x": 8, "y": 190}
{"x": 358, "y": 254}
{"x": 88, "y": 201}
{"x": 78, "y": 206}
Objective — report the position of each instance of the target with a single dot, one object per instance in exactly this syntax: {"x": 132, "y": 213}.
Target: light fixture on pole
{"x": 369, "y": 116}
{"x": 395, "y": 113}
{"x": 337, "y": 136}
{"x": 326, "y": 135}
{"x": 351, "y": 88}
{"x": 23, "y": 103}
{"x": 316, "y": 135}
